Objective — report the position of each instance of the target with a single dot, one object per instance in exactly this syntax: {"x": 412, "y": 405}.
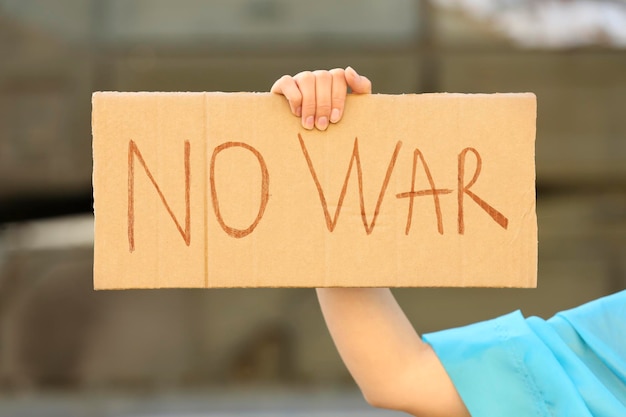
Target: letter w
{"x": 332, "y": 222}
{"x": 133, "y": 151}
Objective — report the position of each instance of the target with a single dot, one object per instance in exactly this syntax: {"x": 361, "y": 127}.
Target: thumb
{"x": 358, "y": 83}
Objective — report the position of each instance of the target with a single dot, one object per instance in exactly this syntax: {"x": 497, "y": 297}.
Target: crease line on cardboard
{"x": 205, "y": 178}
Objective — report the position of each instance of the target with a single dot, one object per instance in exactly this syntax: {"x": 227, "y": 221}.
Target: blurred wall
{"x": 55, "y": 331}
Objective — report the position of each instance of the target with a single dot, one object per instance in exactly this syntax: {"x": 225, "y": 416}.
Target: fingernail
{"x": 309, "y": 122}
{"x": 334, "y": 116}
{"x": 322, "y": 123}
{"x": 299, "y": 112}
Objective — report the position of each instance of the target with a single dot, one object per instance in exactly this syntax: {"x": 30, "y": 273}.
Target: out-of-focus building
{"x": 56, "y": 332}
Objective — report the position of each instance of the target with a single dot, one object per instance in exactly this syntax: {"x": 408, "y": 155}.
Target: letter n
{"x": 133, "y": 152}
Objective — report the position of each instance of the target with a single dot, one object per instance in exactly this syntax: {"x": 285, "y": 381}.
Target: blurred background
{"x": 66, "y": 350}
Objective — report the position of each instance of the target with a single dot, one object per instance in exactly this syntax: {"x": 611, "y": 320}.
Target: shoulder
{"x": 604, "y": 318}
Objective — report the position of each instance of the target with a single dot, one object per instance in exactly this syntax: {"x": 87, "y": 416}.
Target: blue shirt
{"x": 573, "y": 364}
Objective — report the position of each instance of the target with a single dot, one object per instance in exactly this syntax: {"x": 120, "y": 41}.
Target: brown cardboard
{"x": 228, "y": 190}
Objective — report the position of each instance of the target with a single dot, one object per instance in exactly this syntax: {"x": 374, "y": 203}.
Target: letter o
{"x": 265, "y": 184}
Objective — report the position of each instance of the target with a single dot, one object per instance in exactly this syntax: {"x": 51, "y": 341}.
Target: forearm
{"x": 366, "y": 325}
{"x": 385, "y": 355}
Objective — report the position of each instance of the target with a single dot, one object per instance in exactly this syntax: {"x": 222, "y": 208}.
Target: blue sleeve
{"x": 571, "y": 365}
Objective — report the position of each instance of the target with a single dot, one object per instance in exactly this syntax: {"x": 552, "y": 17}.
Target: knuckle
{"x": 323, "y": 108}
{"x": 338, "y": 101}
{"x": 322, "y": 74}
{"x": 308, "y": 107}
{"x": 296, "y": 94}
{"x": 304, "y": 76}
{"x": 283, "y": 82}
{"x": 294, "y": 97}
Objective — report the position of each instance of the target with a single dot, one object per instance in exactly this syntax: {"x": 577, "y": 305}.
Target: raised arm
{"x": 393, "y": 367}
{"x": 391, "y": 364}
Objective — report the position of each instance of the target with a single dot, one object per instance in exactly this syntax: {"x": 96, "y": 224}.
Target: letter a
{"x": 417, "y": 154}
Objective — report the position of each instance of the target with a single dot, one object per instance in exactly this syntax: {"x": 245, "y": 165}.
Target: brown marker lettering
{"x": 331, "y": 223}
{"x": 265, "y": 178}
{"x": 417, "y": 155}
{"x": 133, "y": 151}
{"x": 465, "y": 189}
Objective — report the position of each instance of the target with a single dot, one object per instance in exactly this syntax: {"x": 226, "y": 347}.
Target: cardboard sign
{"x": 228, "y": 190}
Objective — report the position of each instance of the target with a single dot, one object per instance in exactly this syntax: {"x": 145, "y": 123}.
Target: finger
{"x": 358, "y": 83}
{"x": 323, "y": 89}
{"x": 338, "y": 94}
{"x": 306, "y": 83}
{"x": 288, "y": 87}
